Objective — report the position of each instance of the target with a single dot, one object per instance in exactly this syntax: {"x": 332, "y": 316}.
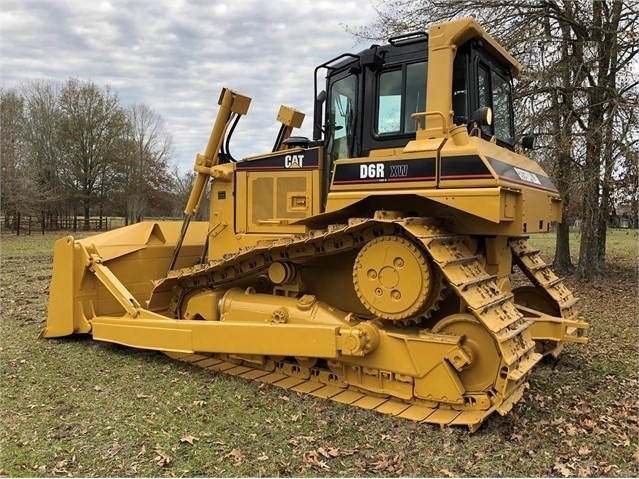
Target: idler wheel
{"x": 533, "y": 298}
{"x": 539, "y": 300}
{"x": 392, "y": 278}
{"x": 480, "y": 345}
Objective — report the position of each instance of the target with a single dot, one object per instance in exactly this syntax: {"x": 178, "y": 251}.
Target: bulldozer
{"x": 372, "y": 264}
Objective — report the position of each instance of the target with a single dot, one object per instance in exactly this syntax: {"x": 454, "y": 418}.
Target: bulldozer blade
{"x": 138, "y": 255}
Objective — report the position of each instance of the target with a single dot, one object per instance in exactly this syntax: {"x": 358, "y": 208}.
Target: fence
{"x": 28, "y": 224}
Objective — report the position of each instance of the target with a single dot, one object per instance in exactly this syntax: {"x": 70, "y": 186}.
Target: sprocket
{"x": 395, "y": 281}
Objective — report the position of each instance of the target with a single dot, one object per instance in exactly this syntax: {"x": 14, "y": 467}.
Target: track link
{"x": 478, "y": 290}
{"x": 319, "y": 385}
{"x": 544, "y": 279}
{"x": 460, "y": 267}
{"x": 540, "y": 274}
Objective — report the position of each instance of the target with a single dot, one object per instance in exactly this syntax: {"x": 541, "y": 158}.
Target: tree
{"x": 72, "y": 147}
{"x": 574, "y": 53}
{"x": 146, "y": 175}
{"x": 11, "y": 154}
{"x": 20, "y": 189}
{"x": 601, "y": 40}
{"x": 10, "y": 124}
{"x": 42, "y": 142}
{"x": 625, "y": 178}
{"x": 93, "y": 129}
{"x": 183, "y": 186}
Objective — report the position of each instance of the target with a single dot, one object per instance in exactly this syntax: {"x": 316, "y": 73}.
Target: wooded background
{"x": 73, "y": 150}
{"x": 578, "y": 93}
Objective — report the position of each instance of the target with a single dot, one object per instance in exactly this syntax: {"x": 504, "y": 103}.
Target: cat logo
{"x": 293, "y": 161}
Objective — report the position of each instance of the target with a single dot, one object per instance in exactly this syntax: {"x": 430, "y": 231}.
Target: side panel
{"x": 276, "y": 190}
{"x": 276, "y": 198}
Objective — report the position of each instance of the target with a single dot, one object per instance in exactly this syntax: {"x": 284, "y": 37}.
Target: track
{"x": 540, "y": 274}
{"x": 548, "y": 294}
{"x": 320, "y": 386}
{"x": 486, "y": 305}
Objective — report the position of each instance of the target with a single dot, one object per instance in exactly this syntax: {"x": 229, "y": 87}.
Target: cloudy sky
{"x": 176, "y": 55}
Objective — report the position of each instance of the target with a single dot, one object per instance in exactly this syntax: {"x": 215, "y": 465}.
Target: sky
{"x": 176, "y": 55}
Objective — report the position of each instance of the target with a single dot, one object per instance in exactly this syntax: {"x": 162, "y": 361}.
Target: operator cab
{"x": 370, "y": 97}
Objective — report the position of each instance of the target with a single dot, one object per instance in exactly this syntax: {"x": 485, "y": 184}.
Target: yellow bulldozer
{"x": 371, "y": 264}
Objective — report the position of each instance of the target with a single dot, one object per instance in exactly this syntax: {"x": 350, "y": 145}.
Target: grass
{"x": 75, "y": 407}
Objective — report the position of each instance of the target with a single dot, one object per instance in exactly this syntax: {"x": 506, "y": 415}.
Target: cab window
{"x": 342, "y": 117}
{"x": 461, "y": 110}
{"x": 495, "y": 92}
{"x": 402, "y": 92}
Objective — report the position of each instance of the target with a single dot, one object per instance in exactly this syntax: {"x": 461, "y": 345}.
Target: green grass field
{"x": 75, "y": 407}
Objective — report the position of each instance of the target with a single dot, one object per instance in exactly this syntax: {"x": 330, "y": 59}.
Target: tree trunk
{"x": 562, "y": 262}
{"x": 604, "y": 211}
{"x": 87, "y": 221}
{"x": 610, "y": 51}
{"x": 589, "y": 267}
